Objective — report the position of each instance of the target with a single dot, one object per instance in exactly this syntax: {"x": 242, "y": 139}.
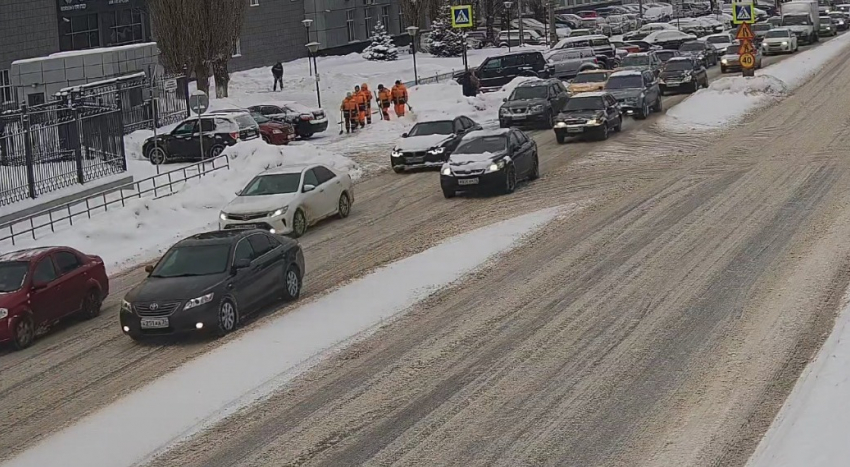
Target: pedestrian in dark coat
{"x": 277, "y": 72}
{"x": 470, "y": 84}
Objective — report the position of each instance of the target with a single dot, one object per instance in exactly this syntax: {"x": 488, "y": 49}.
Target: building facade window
{"x": 385, "y": 17}
{"x": 237, "y": 47}
{"x": 79, "y": 32}
{"x": 124, "y": 27}
{"x": 401, "y": 23}
{"x": 368, "y": 22}
{"x": 6, "y": 92}
{"x": 349, "y": 22}
{"x": 255, "y": 2}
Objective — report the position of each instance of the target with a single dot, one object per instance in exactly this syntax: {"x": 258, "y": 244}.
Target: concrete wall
{"x": 272, "y": 32}
{"x": 27, "y": 29}
{"x": 50, "y": 74}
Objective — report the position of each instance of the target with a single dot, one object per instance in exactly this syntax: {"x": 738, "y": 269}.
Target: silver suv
{"x": 567, "y": 63}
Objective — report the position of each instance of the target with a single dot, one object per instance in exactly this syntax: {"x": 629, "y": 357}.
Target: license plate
{"x": 467, "y": 181}
{"x": 519, "y": 117}
{"x": 245, "y": 226}
{"x": 575, "y": 130}
{"x": 672, "y": 85}
{"x": 154, "y": 323}
{"x": 414, "y": 160}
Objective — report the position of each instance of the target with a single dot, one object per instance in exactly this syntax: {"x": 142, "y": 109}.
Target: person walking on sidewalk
{"x": 361, "y": 106}
{"x": 367, "y": 94}
{"x": 399, "y": 93}
{"x": 350, "y": 112}
{"x": 385, "y": 97}
{"x": 277, "y": 72}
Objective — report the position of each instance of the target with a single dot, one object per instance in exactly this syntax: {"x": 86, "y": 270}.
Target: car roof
{"x": 215, "y": 237}
{"x": 26, "y": 254}
{"x": 591, "y": 94}
{"x": 490, "y": 132}
{"x": 534, "y": 83}
{"x": 638, "y": 54}
{"x": 680, "y": 59}
{"x": 627, "y": 73}
{"x": 289, "y": 169}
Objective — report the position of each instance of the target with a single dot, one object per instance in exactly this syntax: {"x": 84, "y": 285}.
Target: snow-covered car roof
{"x": 484, "y": 133}
{"x": 626, "y": 73}
{"x": 679, "y": 59}
{"x": 288, "y": 169}
{"x": 591, "y": 94}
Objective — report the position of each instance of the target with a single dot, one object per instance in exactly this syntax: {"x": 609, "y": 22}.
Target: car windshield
{"x": 580, "y": 103}
{"x": 762, "y": 27}
{"x": 12, "y": 275}
{"x": 732, "y": 49}
{"x": 624, "y": 82}
{"x": 482, "y": 144}
{"x": 825, "y": 19}
{"x": 193, "y": 260}
{"x": 272, "y": 184}
{"x": 678, "y": 65}
{"x": 777, "y": 33}
{"x": 590, "y": 78}
{"x": 635, "y": 60}
{"x": 245, "y": 121}
{"x": 692, "y": 47}
{"x": 259, "y": 118}
{"x": 795, "y": 20}
{"x": 528, "y": 92}
{"x": 718, "y": 39}
{"x": 665, "y": 55}
{"x": 442, "y": 127}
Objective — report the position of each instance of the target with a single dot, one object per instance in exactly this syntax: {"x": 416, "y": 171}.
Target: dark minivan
{"x": 501, "y": 70}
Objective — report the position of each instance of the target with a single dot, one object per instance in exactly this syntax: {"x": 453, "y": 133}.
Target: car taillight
{"x": 306, "y": 117}
{"x": 595, "y": 61}
{"x": 235, "y": 135}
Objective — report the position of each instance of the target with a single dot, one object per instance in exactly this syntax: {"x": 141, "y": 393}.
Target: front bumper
{"x": 734, "y": 66}
{"x": 280, "y": 139}
{"x": 178, "y": 322}
{"x": 473, "y": 181}
{"x": 577, "y": 129}
{"x": 419, "y": 160}
{"x": 522, "y": 119}
{"x": 281, "y": 224}
{"x": 775, "y": 48}
{"x": 675, "y": 85}
{"x": 630, "y": 107}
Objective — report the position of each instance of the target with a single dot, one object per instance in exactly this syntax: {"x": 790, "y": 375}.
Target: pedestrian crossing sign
{"x": 462, "y": 16}
{"x": 743, "y": 13}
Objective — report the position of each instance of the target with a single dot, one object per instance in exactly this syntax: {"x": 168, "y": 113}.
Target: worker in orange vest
{"x": 399, "y": 93}
{"x": 367, "y": 94}
{"x": 361, "y": 106}
{"x": 385, "y": 96}
{"x": 350, "y": 112}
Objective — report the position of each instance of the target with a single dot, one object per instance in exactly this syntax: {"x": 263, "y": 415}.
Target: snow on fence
{"x": 436, "y": 78}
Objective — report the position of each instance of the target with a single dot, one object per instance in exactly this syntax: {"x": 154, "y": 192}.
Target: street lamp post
{"x": 307, "y": 23}
{"x": 508, "y": 6}
{"x": 313, "y": 47}
{"x": 412, "y": 30}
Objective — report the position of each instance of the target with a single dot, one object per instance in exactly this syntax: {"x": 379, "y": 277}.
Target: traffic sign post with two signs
{"x": 462, "y": 18}
{"x": 746, "y": 51}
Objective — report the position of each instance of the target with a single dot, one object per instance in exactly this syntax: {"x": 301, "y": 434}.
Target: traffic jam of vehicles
{"x": 610, "y": 65}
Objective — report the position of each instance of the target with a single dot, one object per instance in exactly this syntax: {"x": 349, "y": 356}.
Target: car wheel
{"x": 643, "y": 113}
{"x": 659, "y": 104}
{"x": 535, "y": 169}
{"x": 216, "y": 151}
{"x": 299, "y": 223}
{"x": 619, "y": 127}
{"x": 344, "y": 206}
{"x": 291, "y": 283}
{"x": 448, "y": 194}
{"x": 91, "y": 304}
{"x": 228, "y": 317}
{"x": 503, "y": 124}
{"x": 267, "y": 139}
{"x": 510, "y": 180}
{"x": 560, "y": 138}
{"x": 550, "y": 120}
{"x": 157, "y": 155}
{"x": 603, "y": 132}
{"x": 23, "y": 333}
{"x": 722, "y": 69}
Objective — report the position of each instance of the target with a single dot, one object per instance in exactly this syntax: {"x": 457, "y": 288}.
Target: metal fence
{"x": 157, "y": 186}
{"x": 436, "y": 78}
{"x": 56, "y": 145}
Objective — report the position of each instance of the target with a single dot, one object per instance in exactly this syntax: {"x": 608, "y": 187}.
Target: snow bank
{"x": 219, "y": 383}
{"x": 147, "y": 227}
{"x": 728, "y": 99}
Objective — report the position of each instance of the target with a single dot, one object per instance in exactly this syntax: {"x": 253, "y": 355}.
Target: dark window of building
{"x": 35, "y": 99}
{"x": 123, "y": 27}
{"x": 401, "y": 23}
{"x": 368, "y": 22}
{"x": 6, "y": 91}
{"x": 78, "y": 32}
{"x": 385, "y": 17}
{"x": 349, "y": 22}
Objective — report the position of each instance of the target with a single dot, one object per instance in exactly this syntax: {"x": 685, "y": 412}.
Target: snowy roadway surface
{"x": 661, "y": 324}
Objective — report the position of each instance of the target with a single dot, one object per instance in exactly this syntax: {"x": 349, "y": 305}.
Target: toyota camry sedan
{"x": 211, "y": 281}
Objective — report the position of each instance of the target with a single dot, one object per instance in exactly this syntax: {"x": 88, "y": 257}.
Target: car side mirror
{"x": 242, "y": 263}
{"x": 404, "y": 135}
{"x": 308, "y": 188}
{"x": 504, "y": 99}
{"x": 149, "y": 268}
{"x": 238, "y": 193}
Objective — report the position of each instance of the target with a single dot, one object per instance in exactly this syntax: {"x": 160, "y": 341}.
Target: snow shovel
{"x": 341, "y": 122}
{"x": 380, "y": 109}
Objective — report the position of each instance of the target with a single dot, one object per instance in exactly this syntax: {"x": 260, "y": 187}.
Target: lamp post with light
{"x": 313, "y": 47}
{"x": 412, "y": 30}
{"x": 508, "y": 6}
{"x": 307, "y": 23}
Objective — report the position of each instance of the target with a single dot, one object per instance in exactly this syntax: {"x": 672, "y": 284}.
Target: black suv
{"x": 501, "y": 70}
{"x": 589, "y": 113}
{"x": 533, "y": 102}
{"x": 683, "y": 73}
{"x": 700, "y": 50}
{"x": 183, "y": 142}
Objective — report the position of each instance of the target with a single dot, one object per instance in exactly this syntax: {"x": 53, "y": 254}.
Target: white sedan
{"x": 287, "y": 200}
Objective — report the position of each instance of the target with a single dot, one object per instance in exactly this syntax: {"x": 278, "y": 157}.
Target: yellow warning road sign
{"x": 746, "y": 48}
{"x": 745, "y": 33}
{"x": 748, "y": 61}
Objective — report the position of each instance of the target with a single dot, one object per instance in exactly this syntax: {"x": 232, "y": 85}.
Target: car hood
{"x": 272, "y": 125}
{"x": 155, "y": 289}
{"x": 673, "y": 74}
{"x": 576, "y": 88}
{"x": 691, "y": 53}
{"x": 473, "y": 161}
{"x": 625, "y": 93}
{"x": 776, "y": 40}
{"x": 730, "y": 57}
{"x": 579, "y": 115}
{"x": 720, "y": 46}
{"x": 524, "y": 103}
{"x": 634, "y": 67}
{"x": 421, "y": 143}
{"x": 798, "y": 27}
{"x": 12, "y": 299}
{"x": 253, "y": 204}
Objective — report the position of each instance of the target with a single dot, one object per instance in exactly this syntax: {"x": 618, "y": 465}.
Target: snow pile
{"x": 727, "y": 100}
{"x": 147, "y": 227}
{"x": 382, "y": 47}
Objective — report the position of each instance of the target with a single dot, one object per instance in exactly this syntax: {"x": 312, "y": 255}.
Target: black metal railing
{"x": 158, "y": 186}
{"x": 56, "y": 145}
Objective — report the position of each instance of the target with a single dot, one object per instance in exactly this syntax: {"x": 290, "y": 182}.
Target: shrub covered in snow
{"x": 445, "y": 41}
{"x": 382, "y": 47}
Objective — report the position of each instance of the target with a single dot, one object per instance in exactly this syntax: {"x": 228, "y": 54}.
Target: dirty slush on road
{"x": 661, "y": 323}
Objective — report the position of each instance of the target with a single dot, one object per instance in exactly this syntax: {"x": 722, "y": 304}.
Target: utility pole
{"x": 553, "y": 32}
{"x": 519, "y": 21}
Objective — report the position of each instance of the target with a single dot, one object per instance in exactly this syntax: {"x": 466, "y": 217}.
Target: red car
{"x": 40, "y": 286}
{"x": 274, "y": 132}
{"x": 588, "y": 14}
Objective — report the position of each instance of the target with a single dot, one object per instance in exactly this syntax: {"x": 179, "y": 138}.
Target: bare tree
{"x": 414, "y": 11}
{"x": 225, "y": 24}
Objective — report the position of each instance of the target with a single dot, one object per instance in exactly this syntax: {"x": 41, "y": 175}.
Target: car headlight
{"x": 125, "y": 306}
{"x": 396, "y": 153}
{"x": 537, "y": 108}
{"x": 4, "y": 312}
{"x": 593, "y": 121}
{"x": 561, "y": 125}
{"x": 279, "y": 212}
{"x": 496, "y": 166}
{"x": 446, "y": 171}
{"x": 277, "y": 132}
{"x": 222, "y": 216}
{"x": 198, "y": 301}
{"x": 504, "y": 111}
{"x": 687, "y": 77}
{"x": 436, "y": 151}
{"x": 784, "y": 42}
{"x": 724, "y": 61}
